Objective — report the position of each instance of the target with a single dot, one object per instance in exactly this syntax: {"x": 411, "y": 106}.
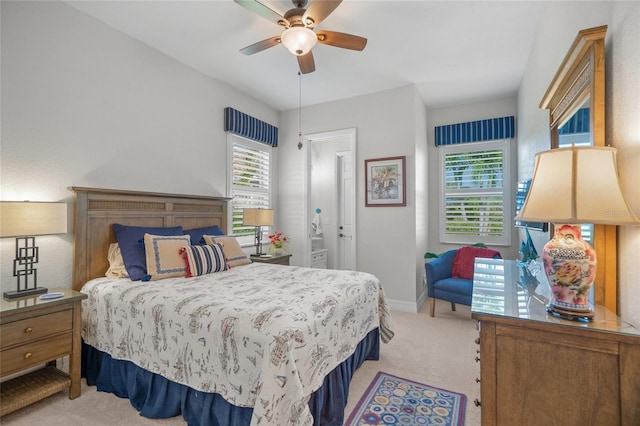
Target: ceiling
{"x": 452, "y": 51}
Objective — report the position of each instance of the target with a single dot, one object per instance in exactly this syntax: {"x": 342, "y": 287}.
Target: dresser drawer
{"x": 30, "y": 329}
{"x": 35, "y": 353}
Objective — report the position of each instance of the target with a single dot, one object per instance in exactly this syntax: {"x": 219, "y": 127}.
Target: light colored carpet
{"x": 436, "y": 351}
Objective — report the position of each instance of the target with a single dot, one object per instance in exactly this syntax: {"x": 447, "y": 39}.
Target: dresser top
{"x": 501, "y": 289}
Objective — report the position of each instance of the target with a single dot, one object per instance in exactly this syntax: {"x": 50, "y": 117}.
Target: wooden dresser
{"x": 37, "y": 332}
{"x": 537, "y": 369}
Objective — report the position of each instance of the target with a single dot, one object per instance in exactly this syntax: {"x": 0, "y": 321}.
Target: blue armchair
{"x": 441, "y": 284}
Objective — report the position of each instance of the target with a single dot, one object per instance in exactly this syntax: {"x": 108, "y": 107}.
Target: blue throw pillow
{"x": 196, "y": 234}
{"x": 131, "y": 242}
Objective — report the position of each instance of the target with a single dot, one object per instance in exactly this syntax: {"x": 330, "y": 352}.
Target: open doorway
{"x": 331, "y": 200}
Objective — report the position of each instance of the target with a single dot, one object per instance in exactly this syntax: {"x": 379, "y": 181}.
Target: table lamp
{"x": 24, "y": 220}
{"x": 258, "y": 218}
{"x": 572, "y": 186}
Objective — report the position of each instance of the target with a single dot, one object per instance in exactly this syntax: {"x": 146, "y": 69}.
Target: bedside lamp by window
{"x": 25, "y": 220}
{"x": 572, "y": 186}
{"x": 258, "y": 218}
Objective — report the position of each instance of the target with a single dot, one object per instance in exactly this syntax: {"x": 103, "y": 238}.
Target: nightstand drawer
{"x": 38, "y": 352}
{"x": 27, "y": 330}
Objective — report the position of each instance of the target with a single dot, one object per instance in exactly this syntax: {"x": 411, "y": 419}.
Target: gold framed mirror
{"x": 576, "y": 103}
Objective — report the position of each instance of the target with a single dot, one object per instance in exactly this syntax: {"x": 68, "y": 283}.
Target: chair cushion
{"x": 455, "y": 285}
{"x": 465, "y": 258}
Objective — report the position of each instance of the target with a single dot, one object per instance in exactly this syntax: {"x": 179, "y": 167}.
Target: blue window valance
{"x": 244, "y": 125}
{"x": 476, "y": 131}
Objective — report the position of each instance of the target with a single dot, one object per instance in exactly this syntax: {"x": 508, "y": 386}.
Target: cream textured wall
{"x": 561, "y": 23}
{"x": 623, "y": 131}
{"x": 85, "y": 105}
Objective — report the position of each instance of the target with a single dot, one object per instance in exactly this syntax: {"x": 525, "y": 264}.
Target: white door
{"x": 346, "y": 244}
{"x": 331, "y": 187}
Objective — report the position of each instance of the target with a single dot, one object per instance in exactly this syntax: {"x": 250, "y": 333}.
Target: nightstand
{"x": 36, "y": 332}
{"x": 282, "y": 259}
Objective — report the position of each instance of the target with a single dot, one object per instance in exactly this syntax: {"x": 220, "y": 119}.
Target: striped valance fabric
{"x": 476, "y": 131}
{"x": 579, "y": 123}
{"x": 249, "y": 127}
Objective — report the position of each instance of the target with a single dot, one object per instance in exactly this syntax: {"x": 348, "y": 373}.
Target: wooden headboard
{"x": 97, "y": 209}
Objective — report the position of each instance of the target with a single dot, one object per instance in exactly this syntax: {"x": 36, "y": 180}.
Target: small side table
{"x": 282, "y": 259}
{"x": 36, "y": 332}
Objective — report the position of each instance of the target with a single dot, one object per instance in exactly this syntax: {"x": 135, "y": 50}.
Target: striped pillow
{"x": 201, "y": 260}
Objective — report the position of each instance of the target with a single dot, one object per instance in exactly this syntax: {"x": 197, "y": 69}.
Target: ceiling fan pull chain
{"x": 300, "y": 111}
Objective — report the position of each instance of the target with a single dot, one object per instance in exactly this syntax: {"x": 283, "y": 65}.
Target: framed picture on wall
{"x": 385, "y": 182}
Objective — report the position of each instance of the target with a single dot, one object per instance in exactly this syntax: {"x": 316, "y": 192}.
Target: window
{"x": 250, "y": 182}
{"x": 475, "y": 202}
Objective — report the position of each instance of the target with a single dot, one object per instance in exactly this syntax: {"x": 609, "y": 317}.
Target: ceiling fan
{"x": 298, "y": 35}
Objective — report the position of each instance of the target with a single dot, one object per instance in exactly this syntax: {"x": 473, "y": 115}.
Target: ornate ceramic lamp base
{"x": 570, "y": 266}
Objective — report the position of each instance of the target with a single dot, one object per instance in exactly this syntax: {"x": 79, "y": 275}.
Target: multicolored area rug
{"x": 391, "y": 400}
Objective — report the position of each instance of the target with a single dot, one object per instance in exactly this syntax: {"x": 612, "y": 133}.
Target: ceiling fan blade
{"x": 260, "y": 9}
{"x": 319, "y": 10}
{"x": 261, "y": 45}
{"x": 343, "y": 40}
{"x": 306, "y": 63}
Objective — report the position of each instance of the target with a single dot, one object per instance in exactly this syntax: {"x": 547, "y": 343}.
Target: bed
{"x": 257, "y": 344}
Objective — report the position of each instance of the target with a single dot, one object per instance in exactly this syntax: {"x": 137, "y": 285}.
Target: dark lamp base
{"x": 24, "y": 293}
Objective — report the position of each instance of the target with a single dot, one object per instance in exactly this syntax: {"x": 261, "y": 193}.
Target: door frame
{"x": 350, "y": 134}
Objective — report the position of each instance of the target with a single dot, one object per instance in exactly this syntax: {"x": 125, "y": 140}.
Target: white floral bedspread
{"x": 261, "y": 335}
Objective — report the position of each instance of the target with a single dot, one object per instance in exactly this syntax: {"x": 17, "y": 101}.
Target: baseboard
{"x": 401, "y": 305}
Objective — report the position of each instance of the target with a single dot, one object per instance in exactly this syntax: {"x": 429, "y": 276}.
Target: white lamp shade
{"x": 257, "y": 217}
{"x": 299, "y": 40}
{"x": 577, "y": 185}
{"x": 25, "y": 218}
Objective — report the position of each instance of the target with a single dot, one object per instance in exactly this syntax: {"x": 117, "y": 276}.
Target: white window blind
{"x": 250, "y": 183}
{"x": 475, "y": 193}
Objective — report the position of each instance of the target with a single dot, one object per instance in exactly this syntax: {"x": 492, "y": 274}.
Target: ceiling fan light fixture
{"x": 299, "y": 40}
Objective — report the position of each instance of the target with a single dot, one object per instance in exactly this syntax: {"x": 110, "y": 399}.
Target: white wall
{"x": 559, "y": 27}
{"x": 423, "y": 211}
{"x": 85, "y": 105}
{"x": 385, "y": 125}
{"x": 502, "y": 107}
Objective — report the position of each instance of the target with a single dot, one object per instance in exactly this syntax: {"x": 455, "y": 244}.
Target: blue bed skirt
{"x": 157, "y": 397}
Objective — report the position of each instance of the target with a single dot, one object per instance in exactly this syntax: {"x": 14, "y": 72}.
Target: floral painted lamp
{"x": 572, "y": 186}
